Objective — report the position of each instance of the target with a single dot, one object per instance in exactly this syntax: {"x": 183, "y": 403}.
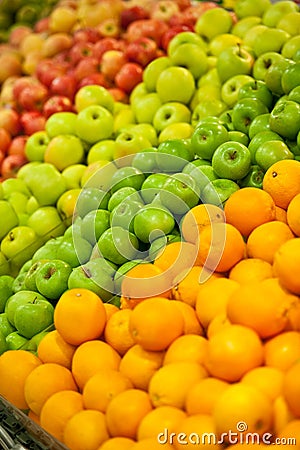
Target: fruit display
{"x": 150, "y": 191}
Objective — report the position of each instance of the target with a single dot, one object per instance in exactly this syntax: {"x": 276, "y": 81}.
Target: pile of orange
{"x": 217, "y": 350}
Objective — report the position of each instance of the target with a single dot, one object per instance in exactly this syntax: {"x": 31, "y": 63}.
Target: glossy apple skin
{"x": 129, "y": 76}
{"x": 57, "y": 103}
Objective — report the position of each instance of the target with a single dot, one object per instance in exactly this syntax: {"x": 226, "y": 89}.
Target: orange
{"x": 152, "y": 443}
{"x": 171, "y": 383}
{"x": 220, "y": 247}
{"x": 282, "y": 350}
{"x": 293, "y": 215}
{"x": 190, "y": 347}
{"x": 15, "y": 366}
{"x": 117, "y": 443}
{"x": 212, "y": 299}
{"x": 34, "y": 417}
{"x": 218, "y": 323}
{"x": 264, "y": 241}
{"x": 91, "y": 357}
{"x": 125, "y": 412}
{"x": 144, "y": 281}
{"x": 233, "y": 351}
{"x": 202, "y": 397}
{"x": 53, "y": 348}
{"x": 191, "y": 321}
{"x": 286, "y": 265}
{"x": 186, "y": 285}
{"x": 44, "y": 381}
{"x": 263, "y": 306}
{"x": 243, "y": 406}
{"x": 250, "y": 270}
{"x": 291, "y": 388}
{"x": 289, "y": 435}
{"x": 175, "y": 258}
{"x": 116, "y": 332}
{"x": 269, "y": 380}
{"x": 139, "y": 365}
{"x": 248, "y": 208}
{"x": 102, "y": 387}
{"x": 158, "y": 419}
{"x": 156, "y": 323}
{"x": 85, "y": 430}
{"x": 199, "y": 432}
{"x": 282, "y": 181}
{"x": 294, "y": 315}
{"x": 110, "y": 309}
{"x": 197, "y": 218}
{"x": 58, "y": 409}
{"x": 280, "y": 214}
{"x": 79, "y": 316}
{"x": 281, "y": 414}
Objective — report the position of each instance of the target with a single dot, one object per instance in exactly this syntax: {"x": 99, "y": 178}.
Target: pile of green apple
{"x": 108, "y": 185}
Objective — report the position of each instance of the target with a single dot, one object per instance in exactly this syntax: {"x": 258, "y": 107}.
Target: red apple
{"x": 150, "y": 28}
{"x": 131, "y": 14}
{"x": 94, "y": 78}
{"x": 171, "y": 32}
{"x": 47, "y": 70}
{"x": 129, "y": 76}
{"x": 87, "y": 34}
{"x": 32, "y": 121}
{"x": 183, "y": 4}
{"x": 32, "y": 98}
{"x": 5, "y": 140}
{"x": 64, "y": 85}
{"x": 105, "y": 44}
{"x": 80, "y": 50}
{"x": 85, "y": 67}
{"x": 109, "y": 28}
{"x": 42, "y": 25}
{"x": 9, "y": 119}
{"x": 111, "y": 62}
{"x": 11, "y": 165}
{"x": 62, "y": 59}
{"x": 2, "y": 157}
{"x": 17, "y": 146}
{"x": 141, "y": 51}
{"x": 21, "y": 83}
{"x": 119, "y": 95}
{"x": 164, "y": 10}
{"x": 57, "y": 103}
{"x": 17, "y": 35}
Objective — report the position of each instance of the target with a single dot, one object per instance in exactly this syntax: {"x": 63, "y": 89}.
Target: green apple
{"x": 245, "y": 8}
{"x": 94, "y": 123}
{"x": 20, "y": 298}
{"x": 213, "y": 22}
{"x": 208, "y": 108}
{"x": 6, "y": 283}
{"x": 285, "y": 119}
{"x": 222, "y": 41}
{"x": 93, "y": 95}
{"x": 19, "y": 282}
{"x": 4, "y": 265}
{"x": 90, "y": 199}
{"x": 290, "y": 23}
{"x": 73, "y": 175}
{"x": 123, "y": 214}
{"x": 241, "y": 26}
{"x": 254, "y": 178}
{"x": 46, "y": 183}
{"x": 61, "y": 123}
{"x": 12, "y": 185}
{"x": 46, "y": 222}
{"x": 11, "y": 218}
{"x": 230, "y": 89}
{"x": 238, "y": 136}
{"x": 274, "y": 74}
{"x": 30, "y": 276}
{"x": 226, "y": 119}
{"x": 211, "y": 77}
{"x": 277, "y": 10}
{"x": 206, "y": 92}
{"x": 33, "y": 317}
{"x": 191, "y": 56}
{"x": 245, "y": 110}
{"x": 140, "y": 90}
{"x": 102, "y": 150}
{"x": 231, "y": 160}
{"x": 180, "y": 193}
{"x": 207, "y": 137}
{"x": 20, "y": 244}
{"x": 52, "y": 279}
{"x": 147, "y": 130}
{"x": 127, "y": 177}
{"x": 94, "y": 224}
{"x": 234, "y": 60}
{"x": 18, "y": 201}
{"x": 74, "y": 250}
{"x": 36, "y": 145}
{"x": 179, "y": 130}
{"x": 257, "y": 89}
{"x": 153, "y": 70}
{"x": 185, "y": 37}
{"x": 269, "y": 152}
{"x": 152, "y": 221}
{"x": 5, "y": 326}
{"x": 291, "y": 78}
{"x": 145, "y": 107}
{"x": 292, "y": 45}
{"x": 259, "y": 139}
{"x": 3, "y": 343}
{"x": 33, "y": 343}
{"x": 145, "y": 160}
{"x": 270, "y": 40}
{"x": 258, "y": 124}
{"x": 97, "y": 276}
{"x": 152, "y": 186}
{"x": 263, "y": 63}
{"x": 118, "y": 245}
{"x": 128, "y": 143}
{"x": 15, "y": 341}
{"x": 123, "y": 118}
{"x": 173, "y": 154}
{"x": 175, "y": 84}
{"x": 121, "y": 194}
{"x": 48, "y": 250}
{"x": 170, "y": 112}
{"x": 64, "y": 150}
{"x": 294, "y": 94}
{"x": 31, "y": 205}
{"x": 218, "y": 191}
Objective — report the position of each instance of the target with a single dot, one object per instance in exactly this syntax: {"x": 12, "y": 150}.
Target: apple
{"x": 291, "y": 46}
{"x": 11, "y": 218}
{"x": 91, "y": 198}
{"x": 164, "y": 10}
{"x": 152, "y": 221}
{"x": 111, "y": 62}
{"x": 245, "y": 8}
{"x": 241, "y": 27}
{"x": 64, "y": 151}
{"x": 170, "y": 112}
{"x": 290, "y": 23}
{"x": 254, "y": 178}
{"x": 15, "y": 341}
{"x": 132, "y": 13}
{"x": 126, "y": 177}
{"x": 20, "y": 244}
{"x": 145, "y": 129}
{"x": 151, "y": 28}
{"x": 17, "y": 146}
{"x": 152, "y": 186}
{"x": 174, "y": 30}
{"x": 218, "y": 191}
{"x": 213, "y": 22}
{"x": 73, "y": 175}
{"x": 56, "y": 103}
{"x": 208, "y": 108}
{"x": 231, "y": 160}
{"x": 222, "y": 41}
{"x": 94, "y": 123}
{"x": 10, "y": 65}
{"x": 270, "y": 152}
{"x": 32, "y": 121}
{"x": 129, "y": 76}
{"x": 173, "y": 154}
{"x": 36, "y": 145}
{"x": 235, "y": 60}
{"x": 52, "y": 279}
{"x": 5, "y": 140}
{"x": 153, "y": 70}
{"x": 285, "y": 119}
{"x": 93, "y": 95}
{"x": 9, "y": 120}
{"x": 175, "y": 84}
{"x": 145, "y": 107}
{"x": 276, "y": 11}
{"x": 55, "y": 43}
{"x": 47, "y": 250}
{"x": 256, "y": 89}
{"x": 4, "y": 265}
{"x": 190, "y": 56}
{"x": 207, "y": 137}
{"x": 6, "y": 283}
{"x": 123, "y": 214}
{"x": 33, "y": 317}
{"x": 141, "y": 51}
{"x": 94, "y": 224}
{"x": 259, "y": 139}
{"x": 64, "y": 85}
{"x": 290, "y": 78}
{"x": 230, "y": 89}
{"x": 263, "y": 63}
{"x": 128, "y": 143}
{"x": 30, "y": 274}
{"x": 74, "y": 250}
{"x": 186, "y": 37}
{"x": 61, "y": 123}
{"x": 180, "y": 193}
{"x": 274, "y": 74}
{"x": 179, "y": 130}
{"x": 5, "y": 326}
{"x": 20, "y": 298}
{"x": 94, "y": 78}
{"x": 33, "y": 97}
{"x": 122, "y": 194}
{"x": 46, "y": 222}
{"x": 245, "y": 110}
{"x": 270, "y": 40}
